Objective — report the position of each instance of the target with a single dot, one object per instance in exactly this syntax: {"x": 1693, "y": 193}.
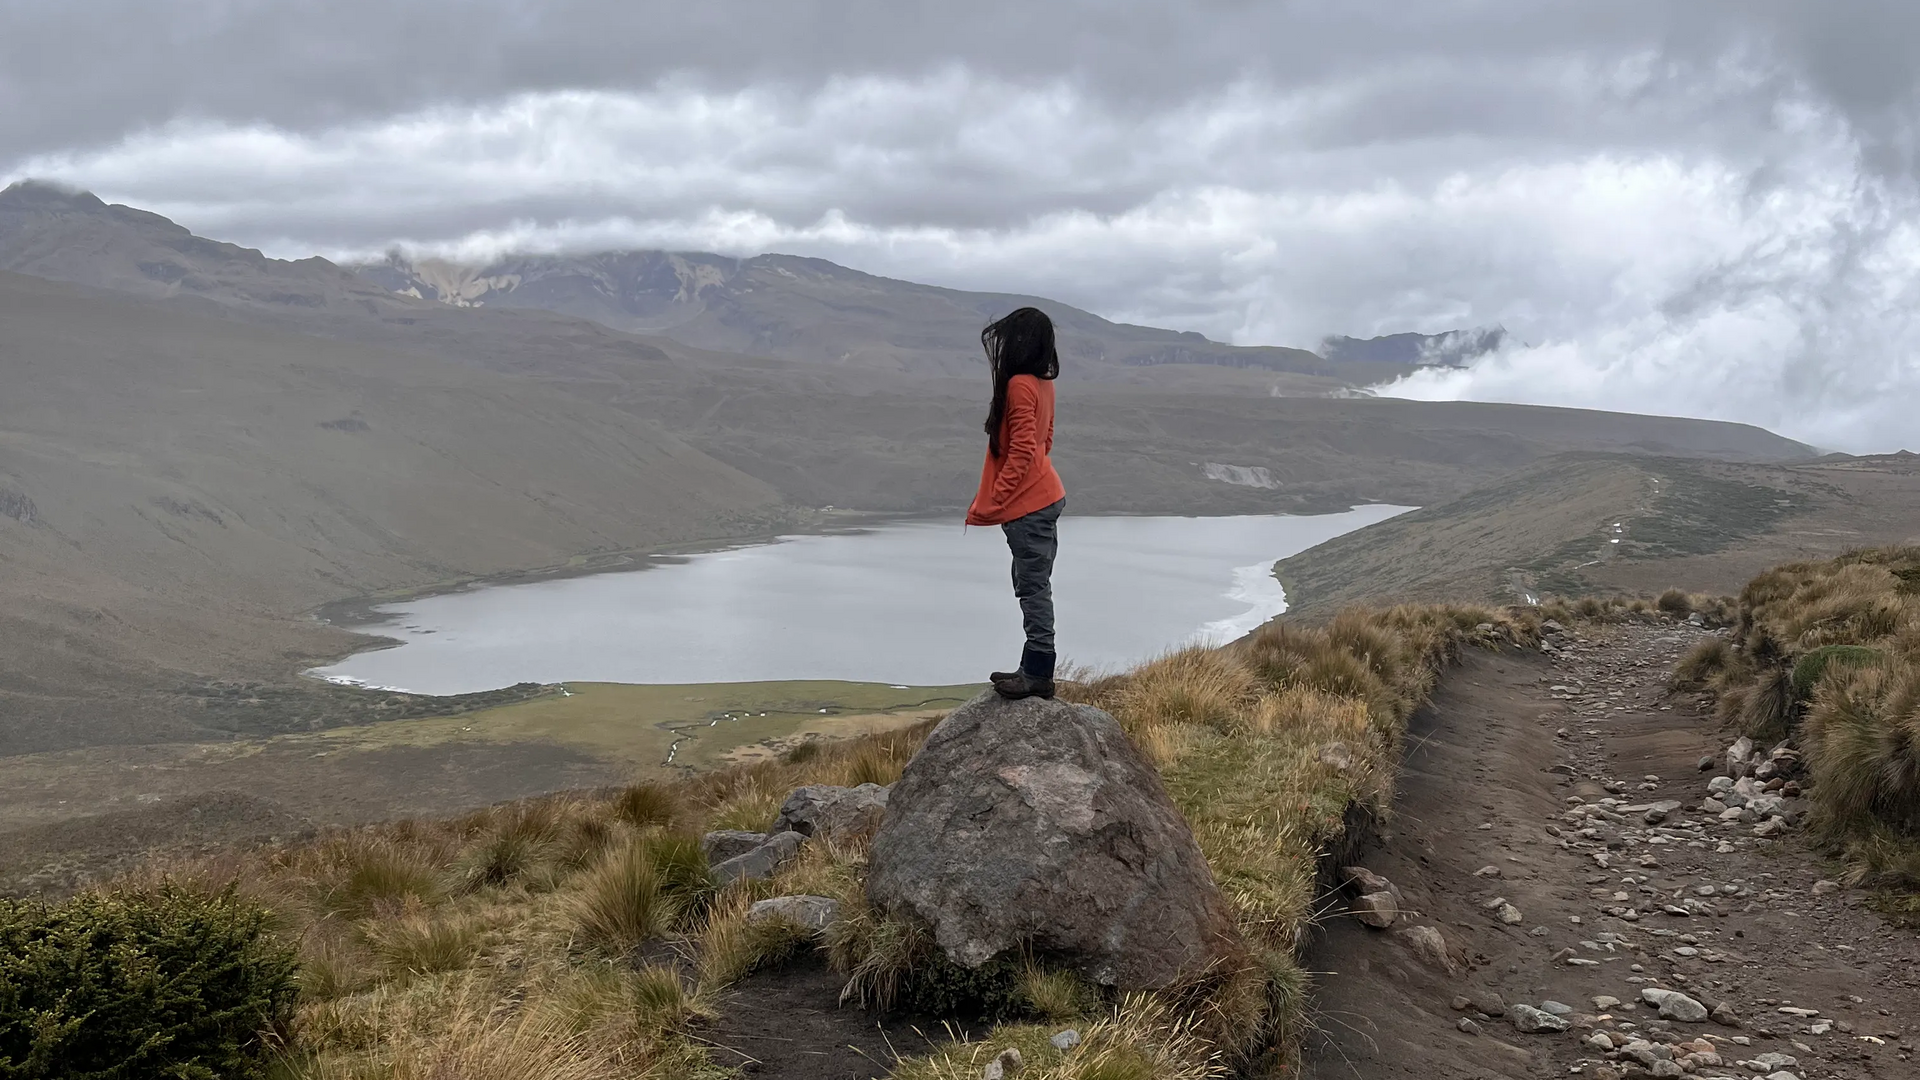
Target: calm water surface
{"x": 924, "y": 603}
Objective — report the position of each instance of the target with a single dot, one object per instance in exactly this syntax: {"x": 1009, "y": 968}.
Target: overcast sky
{"x": 1704, "y": 207}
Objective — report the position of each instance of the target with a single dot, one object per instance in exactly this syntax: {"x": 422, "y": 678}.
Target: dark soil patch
{"x": 788, "y": 1024}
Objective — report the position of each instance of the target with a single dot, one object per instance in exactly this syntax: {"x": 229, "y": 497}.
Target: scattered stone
{"x": 1825, "y": 886}
{"x": 1771, "y": 1061}
{"x": 1377, "y": 909}
{"x": 1599, "y": 1041}
{"x": 760, "y": 863}
{"x": 1467, "y": 1025}
{"x": 1531, "y": 1021}
{"x": 1462, "y": 1003}
{"x": 730, "y": 843}
{"x": 1738, "y": 755}
{"x": 1427, "y": 944}
{"x": 1337, "y": 755}
{"x": 1488, "y": 1002}
{"x": 1509, "y": 914}
{"x": 1603, "y": 1003}
{"x": 1036, "y": 824}
{"x": 824, "y": 810}
{"x": 812, "y": 913}
{"x": 1706, "y": 763}
{"x": 1770, "y": 827}
{"x": 1556, "y": 1008}
{"x": 1487, "y": 871}
{"x": 1065, "y": 1040}
{"x": 1006, "y": 1063}
{"x": 1724, "y": 1015}
{"x": 1674, "y": 1005}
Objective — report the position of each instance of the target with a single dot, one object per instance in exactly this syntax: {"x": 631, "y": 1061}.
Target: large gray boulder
{"x": 1035, "y": 824}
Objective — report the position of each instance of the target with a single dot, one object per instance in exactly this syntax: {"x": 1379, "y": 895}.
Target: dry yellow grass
{"x": 1829, "y": 654}
{"x": 503, "y": 942}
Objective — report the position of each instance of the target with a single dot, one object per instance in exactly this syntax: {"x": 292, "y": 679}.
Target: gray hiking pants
{"x": 1034, "y": 540}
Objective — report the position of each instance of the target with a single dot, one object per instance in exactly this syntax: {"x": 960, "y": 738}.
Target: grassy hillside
{"x": 179, "y": 489}
{"x": 1610, "y": 523}
{"x": 581, "y": 937}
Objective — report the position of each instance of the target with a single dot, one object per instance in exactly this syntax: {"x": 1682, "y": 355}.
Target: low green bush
{"x": 172, "y": 983}
{"x": 1808, "y": 669}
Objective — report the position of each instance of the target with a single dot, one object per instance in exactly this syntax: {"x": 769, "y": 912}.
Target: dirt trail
{"x": 1500, "y": 763}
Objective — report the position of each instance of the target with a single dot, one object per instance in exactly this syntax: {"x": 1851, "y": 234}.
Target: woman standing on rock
{"x": 1019, "y": 491}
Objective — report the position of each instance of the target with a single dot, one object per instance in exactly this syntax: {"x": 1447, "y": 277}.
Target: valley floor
{"x": 1508, "y": 746}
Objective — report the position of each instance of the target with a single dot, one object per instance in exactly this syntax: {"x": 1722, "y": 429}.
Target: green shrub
{"x": 1809, "y": 668}
{"x": 171, "y": 983}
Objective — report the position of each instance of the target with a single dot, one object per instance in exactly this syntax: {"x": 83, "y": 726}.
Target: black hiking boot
{"x": 1034, "y": 679}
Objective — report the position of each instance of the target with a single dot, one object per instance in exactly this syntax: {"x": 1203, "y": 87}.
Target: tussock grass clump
{"x": 731, "y": 948}
{"x": 624, "y": 902}
{"x": 373, "y": 875}
{"x": 517, "y": 840}
{"x": 1706, "y": 658}
{"x": 421, "y": 944}
{"x": 1829, "y": 655}
{"x": 641, "y": 805}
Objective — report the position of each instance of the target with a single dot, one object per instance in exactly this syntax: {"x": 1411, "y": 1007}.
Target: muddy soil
{"x": 789, "y": 1025}
{"x": 1489, "y": 809}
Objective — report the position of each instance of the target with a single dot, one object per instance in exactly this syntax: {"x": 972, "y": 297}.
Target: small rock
{"x": 1337, "y": 755}
{"x": 1604, "y": 1002}
{"x": 1770, "y": 827}
{"x": 1724, "y": 1015}
{"x": 1065, "y": 1040}
{"x": 1462, "y": 1003}
{"x": 1531, "y": 1021}
{"x": 1706, "y": 763}
{"x": 1488, "y": 1002}
{"x": 1467, "y": 1025}
{"x": 1006, "y": 1063}
{"x": 1666, "y": 1070}
{"x": 1825, "y": 886}
{"x": 1674, "y": 1005}
{"x": 1556, "y": 1008}
{"x": 813, "y": 913}
{"x": 760, "y": 863}
{"x": 727, "y": 844}
{"x": 1487, "y": 871}
{"x": 826, "y": 810}
{"x": 1599, "y": 1041}
{"x": 1509, "y": 914}
{"x": 1770, "y": 1061}
{"x": 1427, "y": 944}
{"x": 1377, "y": 909}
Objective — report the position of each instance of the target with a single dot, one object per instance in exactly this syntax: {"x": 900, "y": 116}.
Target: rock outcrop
{"x": 1035, "y": 824}
{"x": 824, "y": 810}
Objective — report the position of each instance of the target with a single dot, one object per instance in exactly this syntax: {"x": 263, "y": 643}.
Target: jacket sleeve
{"x": 1022, "y": 442}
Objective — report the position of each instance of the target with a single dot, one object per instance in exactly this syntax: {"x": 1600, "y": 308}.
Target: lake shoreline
{"x": 857, "y": 597}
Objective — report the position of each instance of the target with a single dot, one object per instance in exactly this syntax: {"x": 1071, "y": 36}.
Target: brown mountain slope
{"x": 815, "y": 311}
{"x": 179, "y": 489}
{"x": 1585, "y": 523}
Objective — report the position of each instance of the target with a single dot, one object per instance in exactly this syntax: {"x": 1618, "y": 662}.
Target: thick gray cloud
{"x": 1701, "y": 207}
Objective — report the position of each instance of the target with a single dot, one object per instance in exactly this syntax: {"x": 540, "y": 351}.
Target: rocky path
{"x": 1576, "y": 899}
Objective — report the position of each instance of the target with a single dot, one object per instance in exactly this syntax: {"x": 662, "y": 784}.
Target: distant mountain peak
{"x": 47, "y": 195}
{"x": 1454, "y": 348}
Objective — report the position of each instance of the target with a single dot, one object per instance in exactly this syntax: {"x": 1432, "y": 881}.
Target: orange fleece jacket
{"x": 1021, "y": 480}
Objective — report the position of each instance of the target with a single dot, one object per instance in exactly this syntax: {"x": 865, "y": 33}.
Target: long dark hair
{"x": 1020, "y": 344}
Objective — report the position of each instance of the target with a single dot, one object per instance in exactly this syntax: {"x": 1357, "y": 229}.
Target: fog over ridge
{"x": 1702, "y": 209}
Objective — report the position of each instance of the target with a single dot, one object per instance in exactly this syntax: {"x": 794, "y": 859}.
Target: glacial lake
{"x": 925, "y": 603}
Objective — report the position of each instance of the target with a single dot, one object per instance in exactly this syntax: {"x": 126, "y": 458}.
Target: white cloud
{"x": 1698, "y": 238}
